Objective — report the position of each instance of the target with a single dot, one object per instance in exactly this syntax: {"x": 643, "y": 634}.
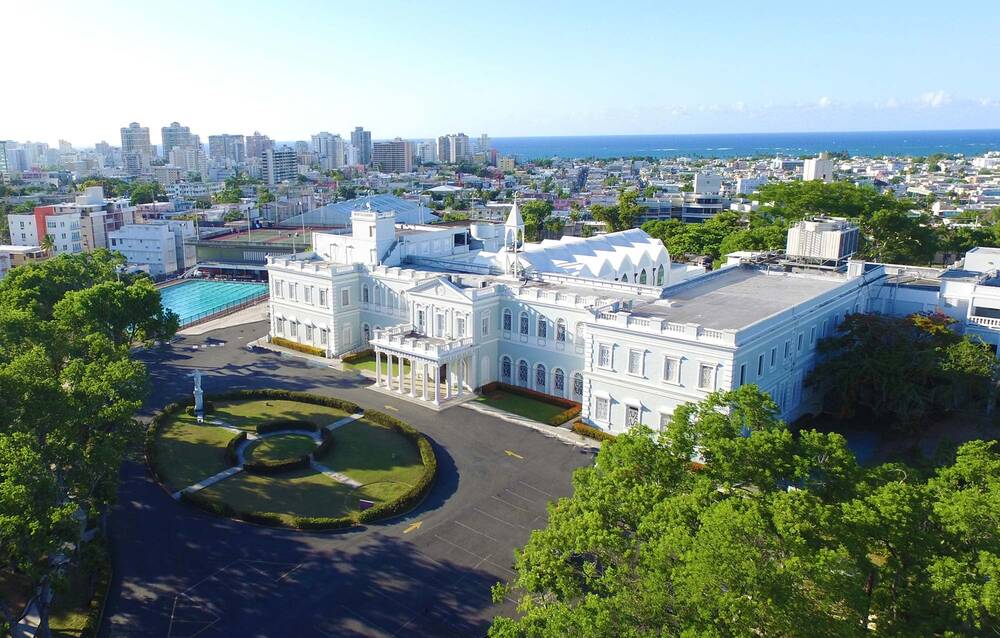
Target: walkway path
{"x": 212, "y": 480}
{"x": 556, "y": 432}
{"x": 337, "y": 476}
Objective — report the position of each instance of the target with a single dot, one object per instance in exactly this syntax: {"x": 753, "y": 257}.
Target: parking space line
{"x": 499, "y": 520}
{"x": 501, "y": 567}
{"x": 476, "y": 531}
{"x": 517, "y": 507}
{"x": 542, "y": 492}
{"x": 469, "y": 552}
{"x": 523, "y": 498}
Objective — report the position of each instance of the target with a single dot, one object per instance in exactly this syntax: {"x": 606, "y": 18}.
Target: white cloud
{"x": 935, "y": 99}
{"x": 824, "y": 102}
{"x": 988, "y": 102}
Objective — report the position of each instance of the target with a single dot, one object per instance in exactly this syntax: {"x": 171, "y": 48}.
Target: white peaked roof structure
{"x": 621, "y": 256}
{"x": 514, "y": 220}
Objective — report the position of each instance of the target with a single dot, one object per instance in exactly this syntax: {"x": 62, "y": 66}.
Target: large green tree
{"x": 774, "y": 534}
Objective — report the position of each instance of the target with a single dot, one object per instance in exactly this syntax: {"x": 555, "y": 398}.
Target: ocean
{"x": 874, "y": 143}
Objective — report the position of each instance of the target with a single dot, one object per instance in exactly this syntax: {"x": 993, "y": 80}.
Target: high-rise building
{"x": 362, "y": 140}
{"x": 330, "y": 149}
{"x": 278, "y": 165}
{"x": 484, "y": 143}
{"x": 256, "y": 144}
{"x": 426, "y": 152}
{"x": 4, "y": 167}
{"x": 137, "y": 152}
{"x": 173, "y": 136}
{"x": 227, "y": 148}
{"x": 395, "y": 156}
{"x": 190, "y": 159}
{"x": 453, "y": 149}
{"x": 65, "y": 147}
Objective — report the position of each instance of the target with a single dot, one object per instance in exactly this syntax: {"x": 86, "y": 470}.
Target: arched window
{"x": 642, "y": 277}
{"x": 659, "y": 275}
{"x": 540, "y": 378}
{"x": 561, "y": 330}
{"x": 507, "y": 318}
{"x": 522, "y": 326}
{"x": 522, "y": 373}
{"x": 505, "y": 369}
{"x": 364, "y": 294}
{"x": 558, "y": 382}
{"x": 367, "y": 330}
{"x": 543, "y": 328}
{"x": 577, "y": 387}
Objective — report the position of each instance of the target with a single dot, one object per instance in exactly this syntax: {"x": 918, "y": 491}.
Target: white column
{"x": 437, "y": 389}
{"x": 447, "y": 380}
{"x": 399, "y": 360}
{"x": 424, "y": 368}
{"x": 388, "y": 370}
{"x": 378, "y": 367}
{"x": 413, "y": 378}
{"x": 458, "y": 375}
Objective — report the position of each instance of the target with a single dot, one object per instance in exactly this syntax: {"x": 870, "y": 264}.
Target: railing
{"x": 401, "y": 337}
{"x": 661, "y": 326}
{"x": 986, "y": 322}
{"x": 229, "y": 308}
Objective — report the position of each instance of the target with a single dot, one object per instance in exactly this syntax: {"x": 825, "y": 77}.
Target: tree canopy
{"x": 68, "y": 393}
{"x": 776, "y": 534}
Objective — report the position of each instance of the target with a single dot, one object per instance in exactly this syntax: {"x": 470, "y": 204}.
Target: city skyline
{"x": 647, "y": 71}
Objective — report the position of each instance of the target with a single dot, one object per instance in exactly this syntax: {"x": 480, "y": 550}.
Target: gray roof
{"x": 339, "y": 214}
{"x": 737, "y": 297}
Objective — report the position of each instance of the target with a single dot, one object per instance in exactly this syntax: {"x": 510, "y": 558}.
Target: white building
{"x": 158, "y": 245}
{"x": 825, "y": 239}
{"x": 190, "y": 159}
{"x": 707, "y": 183}
{"x": 278, "y": 165}
{"x": 818, "y": 168}
{"x": 80, "y": 226}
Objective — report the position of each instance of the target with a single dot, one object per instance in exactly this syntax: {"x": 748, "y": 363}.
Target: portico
{"x": 434, "y": 371}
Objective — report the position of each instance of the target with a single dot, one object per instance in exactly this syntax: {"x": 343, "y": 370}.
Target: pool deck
{"x": 256, "y": 312}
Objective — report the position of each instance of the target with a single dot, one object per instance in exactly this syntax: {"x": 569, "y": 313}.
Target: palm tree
{"x": 48, "y": 243}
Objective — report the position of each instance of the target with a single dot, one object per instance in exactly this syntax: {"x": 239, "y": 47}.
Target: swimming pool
{"x": 197, "y": 299}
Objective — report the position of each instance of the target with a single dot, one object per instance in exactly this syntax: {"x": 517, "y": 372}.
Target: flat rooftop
{"x": 738, "y": 297}
{"x": 277, "y": 236}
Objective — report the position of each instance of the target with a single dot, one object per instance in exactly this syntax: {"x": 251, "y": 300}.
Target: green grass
{"x": 247, "y": 414}
{"x": 372, "y": 453}
{"x": 279, "y": 448}
{"x": 299, "y": 493}
{"x": 527, "y": 407}
{"x": 188, "y": 452}
{"x": 368, "y": 363}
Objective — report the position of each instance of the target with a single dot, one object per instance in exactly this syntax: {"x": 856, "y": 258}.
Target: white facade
{"x": 818, "y": 168}
{"x": 707, "y": 183}
{"x": 159, "y": 245}
{"x": 826, "y": 239}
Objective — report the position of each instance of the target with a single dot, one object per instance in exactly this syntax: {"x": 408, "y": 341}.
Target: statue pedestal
{"x": 199, "y": 401}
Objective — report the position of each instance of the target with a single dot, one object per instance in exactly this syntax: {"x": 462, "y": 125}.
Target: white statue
{"x": 199, "y": 401}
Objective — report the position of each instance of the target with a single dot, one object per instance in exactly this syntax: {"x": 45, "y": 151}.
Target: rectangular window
{"x": 293, "y": 328}
{"x": 601, "y": 409}
{"x": 635, "y": 362}
{"x": 543, "y": 328}
{"x": 322, "y": 297}
{"x": 604, "y": 356}
{"x": 671, "y": 369}
{"x": 293, "y": 291}
{"x": 664, "y": 421}
{"x": 743, "y": 374}
{"x": 523, "y": 324}
{"x": 506, "y": 321}
{"x": 309, "y": 333}
{"x": 812, "y": 336}
{"x": 760, "y": 365}
{"x": 460, "y": 327}
{"x": 345, "y": 297}
{"x": 798, "y": 344}
{"x": 631, "y": 416}
{"x": 706, "y": 377}
{"x": 774, "y": 353}
{"x": 561, "y": 331}
{"x": 486, "y": 324}
{"x": 279, "y": 326}
{"x": 322, "y": 336}
{"x": 307, "y": 291}
{"x": 788, "y": 349}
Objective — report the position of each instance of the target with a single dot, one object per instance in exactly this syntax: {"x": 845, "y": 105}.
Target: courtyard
{"x": 428, "y": 572}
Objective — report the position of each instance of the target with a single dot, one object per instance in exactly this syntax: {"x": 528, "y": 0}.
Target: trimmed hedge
{"x": 277, "y": 466}
{"x": 208, "y": 405}
{"x": 355, "y": 357}
{"x": 572, "y": 410}
{"x": 589, "y": 431}
{"x": 231, "y": 458}
{"x": 326, "y": 444}
{"x": 416, "y": 494}
{"x": 276, "y": 425}
{"x": 267, "y": 518}
{"x": 299, "y": 347}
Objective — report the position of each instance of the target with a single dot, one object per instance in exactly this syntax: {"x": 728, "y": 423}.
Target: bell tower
{"x": 513, "y": 239}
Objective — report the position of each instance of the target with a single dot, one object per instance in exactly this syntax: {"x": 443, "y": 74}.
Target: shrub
{"x": 266, "y": 518}
{"x": 278, "y": 466}
{"x": 277, "y": 425}
{"x": 589, "y": 431}
{"x": 326, "y": 444}
{"x": 208, "y": 405}
{"x": 290, "y": 395}
{"x": 564, "y": 416}
{"x": 355, "y": 357}
{"x": 298, "y": 347}
{"x": 231, "y": 457}
{"x": 525, "y": 392}
{"x": 97, "y": 562}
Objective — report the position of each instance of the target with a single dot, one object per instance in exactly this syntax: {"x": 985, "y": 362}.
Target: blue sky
{"x": 80, "y": 71}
